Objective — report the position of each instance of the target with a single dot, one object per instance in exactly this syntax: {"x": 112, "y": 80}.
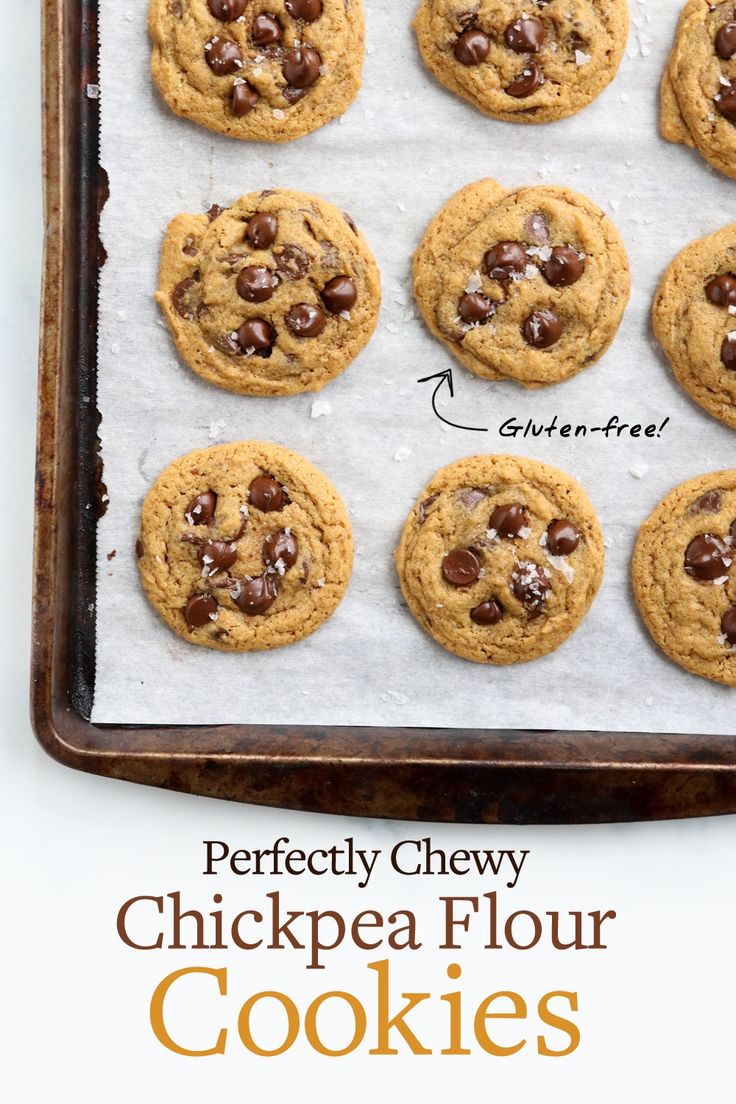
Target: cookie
{"x": 698, "y": 91}
{"x": 694, "y": 318}
{"x": 684, "y": 576}
{"x": 267, "y": 70}
{"x": 525, "y": 63}
{"x": 529, "y": 284}
{"x": 501, "y": 558}
{"x": 272, "y": 296}
{"x": 244, "y": 547}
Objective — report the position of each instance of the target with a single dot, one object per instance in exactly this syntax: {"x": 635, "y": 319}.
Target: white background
{"x": 656, "y": 1008}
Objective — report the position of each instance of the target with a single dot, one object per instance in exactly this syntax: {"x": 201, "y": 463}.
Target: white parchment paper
{"x": 392, "y": 161}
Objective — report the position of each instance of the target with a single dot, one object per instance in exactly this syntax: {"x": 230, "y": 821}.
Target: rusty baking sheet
{"x": 427, "y": 774}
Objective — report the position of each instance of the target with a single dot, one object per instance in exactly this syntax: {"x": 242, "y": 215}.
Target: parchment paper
{"x": 392, "y": 161}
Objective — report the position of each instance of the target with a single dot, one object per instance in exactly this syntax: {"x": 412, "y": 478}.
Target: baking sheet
{"x": 391, "y": 161}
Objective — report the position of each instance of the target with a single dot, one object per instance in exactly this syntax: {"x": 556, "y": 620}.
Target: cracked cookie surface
{"x": 528, "y": 284}
{"x": 275, "y": 295}
{"x": 684, "y": 576}
{"x": 267, "y": 70}
{"x": 698, "y": 90}
{"x": 501, "y": 558}
{"x": 244, "y": 547}
{"x": 531, "y": 62}
{"x": 694, "y": 319}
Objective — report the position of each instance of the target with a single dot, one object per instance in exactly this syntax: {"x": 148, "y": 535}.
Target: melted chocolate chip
{"x": 528, "y": 81}
{"x": 472, "y": 46}
{"x": 292, "y": 263}
{"x": 293, "y": 95}
{"x": 281, "y": 546}
{"x": 707, "y": 557}
{"x": 732, "y": 531}
{"x": 351, "y": 222}
{"x": 139, "y": 549}
{"x": 505, "y": 260}
{"x": 301, "y": 67}
{"x": 200, "y": 610}
{"x": 340, "y": 294}
{"x": 306, "y": 10}
{"x": 721, "y": 291}
{"x": 266, "y": 494}
{"x": 427, "y": 502}
{"x": 508, "y": 521}
{"x": 223, "y": 56}
{"x": 726, "y": 41}
{"x": 256, "y": 284}
{"x": 255, "y": 596}
{"x": 487, "y": 613}
{"x": 728, "y": 625}
{"x": 461, "y": 567}
{"x": 530, "y": 584}
{"x": 306, "y": 320}
{"x": 710, "y": 502}
{"x": 728, "y": 352}
{"x": 524, "y": 35}
{"x": 564, "y": 267}
{"x": 218, "y": 556}
{"x": 256, "y": 336}
{"x": 542, "y": 329}
{"x": 227, "y": 10}
{"x": 537, "y": 228}
{"x": 185, "y": 298}
{"x": 201, "y": 510}
{"x": 562, "y": 537}
{"x": 474, "y": 307}
{"x": 244, "y": 98}
{"x": 725, "y": 102}
{"x": 227, "y": 344}
{"x": 262, "y": 230}
{"x": 189, "y": 247}
{"x": 266, "y": 30}
{"x": 214, "y": 212}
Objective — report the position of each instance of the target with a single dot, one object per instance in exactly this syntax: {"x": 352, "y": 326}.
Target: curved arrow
{"x": 442, "y": 377}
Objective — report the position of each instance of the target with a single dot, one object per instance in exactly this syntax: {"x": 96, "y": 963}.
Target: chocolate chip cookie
{"x": 272, "y": 296}
{"x": 694, "y": 317}
{"x": 528, "y": 285}
{"x": 244, "y": 547}
{"x": 268, "y": 70}
{"x": 698, "y": 92}
{"x": 685, "y": 578}
{"x": 525, "y": 63}
{"x": 501, "y": 558}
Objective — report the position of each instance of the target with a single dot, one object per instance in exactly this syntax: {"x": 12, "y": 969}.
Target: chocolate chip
{"x": 255, "y": 596}
{"x": 306, "y": 10}
{"x": 537, "y": 228}
{"x": 227, "y": 10}
{"x": 726, "y": 41}
{"x": 524, "y": 35}
{"x": 528, "y": 81}
{"x": 293, "y": 95}
{"x": 728, "y": 352}
{"x": 302, "y": 67}
{"x": 472, "y": 46}
{"x": 282, "y": 546}
{"x": 461, "y": 567}
{"x": 223, "y": 56}
{"x": 189, "y": 247}
{"x": 200, "y": 610}
{"x": 201, "y": 510}
{"x": 266, "y": 30}
{"x": 340, "y": 294}
{"x": 725, "y": 102}
{"x": 721, "y": 291}
{"x": 470, "y": 497}
{"x": 474, "y": 307}
{"x": 139, "y": 549}
{"x": 707, "y": 557}
{"x": 542, "y": 329}
{"x": 564, "y": 267}
{"x": 292, "y": 263}
{"x": 728, "y": 625}
{"x": 256, "y": 284}
{"x": 175, "y": 8}
{"x": 562, "y": 537}
{"x": 266, "y": 494}
{"x": 227, "y": 344}
{"x": 306, "y": 320}
{"x": 262, "y": 230}
{"x": 710, "y": 502}
{"x": 530, "y": 584}
{"x": 214, "y": 212}
{"x": 255, "y": 335}
{"x": 350, "y": 221}
{"x": 505, "y": 260}
{"x": 424, "y": 507}
{"x": 185, "y": 298}
{"x": 244, "y": 99}
{"x": 218, "y": 556}
{"x": 508, "y": 521}
{"x": 487, "y": 613}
